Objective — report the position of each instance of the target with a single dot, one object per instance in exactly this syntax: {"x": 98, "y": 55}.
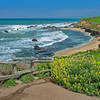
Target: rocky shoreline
{"x": 90, "y": 27}
{"x": 94, "y": 44}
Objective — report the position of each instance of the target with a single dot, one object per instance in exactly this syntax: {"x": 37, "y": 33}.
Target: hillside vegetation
{"x": 78, "y": 73}
{"x": 95, "y": 20}
{"x": 92, "y": 23}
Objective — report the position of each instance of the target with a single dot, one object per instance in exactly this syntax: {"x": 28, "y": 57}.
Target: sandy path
{"x": 41, "y": 90}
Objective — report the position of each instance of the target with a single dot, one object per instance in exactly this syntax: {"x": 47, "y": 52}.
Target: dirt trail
{"x": 41, "y": 90}
{"x": 19, "y": 93}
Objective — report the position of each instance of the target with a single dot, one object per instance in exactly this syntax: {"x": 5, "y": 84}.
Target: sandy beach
{"x": 88, "y": 46}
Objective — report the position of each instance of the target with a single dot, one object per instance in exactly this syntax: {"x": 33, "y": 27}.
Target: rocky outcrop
{"x": 70, "y": 26}
{"x": 32, "y": 26}
{"x": 34, "y": 40}
{"x": 6, "y": 31}
{"x": 44, "y": 53}
{"x": 88, "y": 30}
{"x": 93, "y": 32}
{"x": 92, "y": 28}
{"x": 51, "y": 27}
{"x": 37, "y": 47}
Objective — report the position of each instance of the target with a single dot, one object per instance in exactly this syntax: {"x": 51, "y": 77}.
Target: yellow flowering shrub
{"x": 78, "y": 73}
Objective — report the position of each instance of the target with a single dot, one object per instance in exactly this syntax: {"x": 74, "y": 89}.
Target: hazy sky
{"x": 49, "y": 8}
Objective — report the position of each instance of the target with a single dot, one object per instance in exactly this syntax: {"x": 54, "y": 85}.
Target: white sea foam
{"x": 24, "y": 28}
{"x": 49, "y": 38}
{"x": 5, "y": 50}
{"x": 19, "y": 27}
{"x": 21, "y": 43}
{"x": 6, "y": 57}
{"x": 2, "y": 39}
{"x": 53, "y": 24}
{"x": 44, "y": 39}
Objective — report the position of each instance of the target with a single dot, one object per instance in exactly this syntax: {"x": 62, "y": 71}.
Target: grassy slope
{"x": 93, "y": 19}
{"x": 90, "y": 22}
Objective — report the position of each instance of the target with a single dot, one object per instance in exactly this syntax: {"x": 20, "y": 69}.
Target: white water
{"x": 20, "y": 37}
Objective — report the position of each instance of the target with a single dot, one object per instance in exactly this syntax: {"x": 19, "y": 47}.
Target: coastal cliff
{"x": 91, "y": 25}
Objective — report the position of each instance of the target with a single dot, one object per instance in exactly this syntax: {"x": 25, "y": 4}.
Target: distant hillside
{"x": 90, "y": 22}
{"x": 95, "y": 20}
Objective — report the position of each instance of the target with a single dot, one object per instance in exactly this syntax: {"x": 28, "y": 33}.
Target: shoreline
{"x": 92, "y": 45}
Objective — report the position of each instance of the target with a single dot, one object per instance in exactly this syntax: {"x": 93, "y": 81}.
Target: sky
{"x": 49, "y": 8}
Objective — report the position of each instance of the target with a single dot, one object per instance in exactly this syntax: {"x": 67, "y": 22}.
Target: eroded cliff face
{"x": 85, "y": 24}
{"x": 90, "y": 27}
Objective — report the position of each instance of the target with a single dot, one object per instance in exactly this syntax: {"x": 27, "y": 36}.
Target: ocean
{"x": 16, "y": 37}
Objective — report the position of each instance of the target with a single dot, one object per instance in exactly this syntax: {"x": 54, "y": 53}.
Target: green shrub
{"x": 27, "y": 78}
{"x": 79, "y": 74}
{"x": 10, "y": 82}
{"x": 40, "y": 67}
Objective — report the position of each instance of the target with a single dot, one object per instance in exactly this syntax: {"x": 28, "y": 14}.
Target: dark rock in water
{"x": 71, "y": 25}
{"x": 51, "y": 27}
{"x": 32, "y": 26}
{"x": 6, "y": 31}
{"x": 44, "y": 53}
{"x": 66, "y": 27}
{"x": 34, "y": 40}
{"x": 41, "y": 52}
{"x": 88, "y": 30}
{"x": 95, "y": 33}
{"x": 37, "y": 47}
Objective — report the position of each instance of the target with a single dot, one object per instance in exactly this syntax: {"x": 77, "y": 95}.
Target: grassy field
{"x": 93, "y": 19}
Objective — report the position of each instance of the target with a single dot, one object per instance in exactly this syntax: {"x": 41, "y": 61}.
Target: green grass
{"x": 43, "y": 66}
{"x": 91, "y": 23}
{"x": 93, "y": 19}
{"x": 10, "y": 82}
{"x": 27, "y": 78}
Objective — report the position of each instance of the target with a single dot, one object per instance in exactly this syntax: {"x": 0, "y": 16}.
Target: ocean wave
{"x": 54, "y": 24}
{"x": 5, "y": 50}
{"x": 6, "y": 57}
{"x": 18, "y": 27}
{"x": 2, "y": 39}
{"x": 21, "y": 43}
{"x": 24, "y": 28}
{"x": 49, "y": 38}
{"x": 44, "y": 39}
